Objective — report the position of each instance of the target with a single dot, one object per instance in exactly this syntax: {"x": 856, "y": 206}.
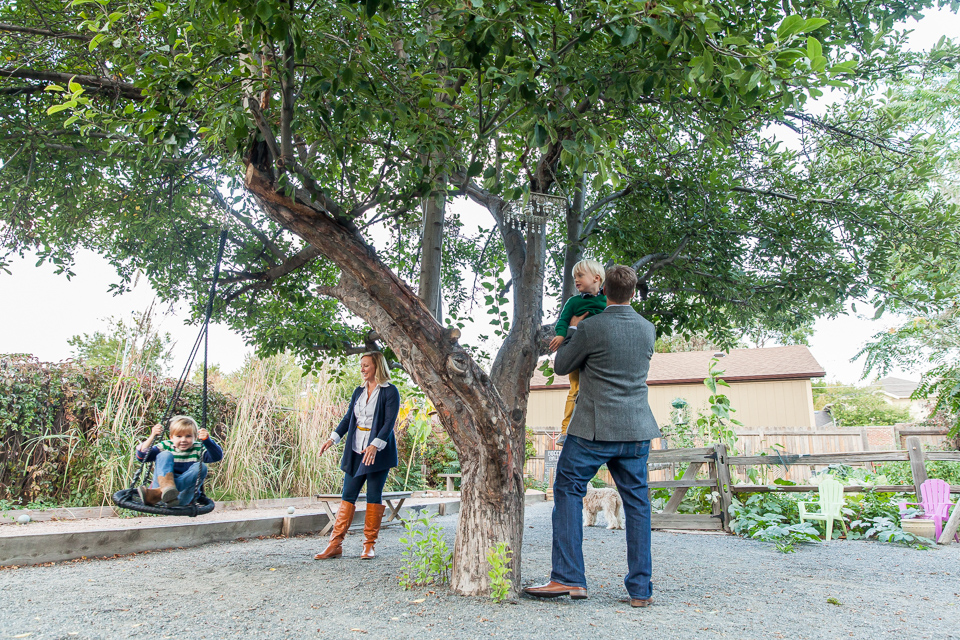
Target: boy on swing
{"x": 588, "y": 276}
{"x": 178, "y": 461}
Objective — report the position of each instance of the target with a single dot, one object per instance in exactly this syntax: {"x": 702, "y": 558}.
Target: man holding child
{"x": 612, "y": 424}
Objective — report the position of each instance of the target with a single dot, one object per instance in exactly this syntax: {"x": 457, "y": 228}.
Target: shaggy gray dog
{"x": 606, "y": 500}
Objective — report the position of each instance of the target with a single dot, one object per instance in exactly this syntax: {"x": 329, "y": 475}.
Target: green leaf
{"x": 57, "y": 108}
{"x": 789, "y": 26}
{"x": 814, "y": 48}
{"x": 629, "y": 36}
{"x": 475, "y": 168}
{"x": 812, "y": 24}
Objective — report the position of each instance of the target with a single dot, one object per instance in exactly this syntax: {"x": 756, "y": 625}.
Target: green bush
{"x": 51, "y": 429}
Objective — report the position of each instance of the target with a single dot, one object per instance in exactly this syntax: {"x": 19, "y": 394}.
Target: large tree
{"x": 330, "y": 138}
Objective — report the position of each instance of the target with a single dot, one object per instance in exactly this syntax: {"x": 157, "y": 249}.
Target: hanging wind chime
{"x": 534, "y": 213}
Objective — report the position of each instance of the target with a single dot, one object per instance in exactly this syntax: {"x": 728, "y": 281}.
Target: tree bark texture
{"x": 485, "y": 425}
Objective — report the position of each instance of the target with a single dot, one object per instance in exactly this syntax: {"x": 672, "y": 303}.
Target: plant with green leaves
{"x": 717, "y": 426}
{"x": 426, "y": 557}
{"x": 501, "y": 585}
{"x": 762, "y": 519}
{"x": 329, "y": 137}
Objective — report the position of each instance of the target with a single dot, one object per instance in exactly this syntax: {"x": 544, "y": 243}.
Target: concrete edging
{"x": 39, "y": 548}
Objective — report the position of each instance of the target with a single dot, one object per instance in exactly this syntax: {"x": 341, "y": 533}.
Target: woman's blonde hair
{"x": 590, "y": 268}
{"x": 182, "y": 425}
{"x": 380, "y": 365}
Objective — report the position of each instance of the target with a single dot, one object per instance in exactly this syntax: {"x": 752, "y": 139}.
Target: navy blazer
{"x": 384, "y": 419}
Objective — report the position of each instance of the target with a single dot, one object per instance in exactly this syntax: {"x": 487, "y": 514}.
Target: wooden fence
{"x": 776, "y": 443}
{"x": 721, "y": 468}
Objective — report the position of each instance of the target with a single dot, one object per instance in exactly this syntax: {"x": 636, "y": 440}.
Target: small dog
{"x": 606, "y": 500}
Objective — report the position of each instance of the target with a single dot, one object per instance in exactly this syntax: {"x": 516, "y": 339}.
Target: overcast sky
{"x": 41, "y": 310}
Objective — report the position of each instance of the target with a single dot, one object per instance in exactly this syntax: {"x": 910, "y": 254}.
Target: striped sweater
{"x": 206, "y": 450}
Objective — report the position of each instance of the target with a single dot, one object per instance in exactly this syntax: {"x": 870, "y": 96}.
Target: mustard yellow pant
{"x": 571, "y": 400}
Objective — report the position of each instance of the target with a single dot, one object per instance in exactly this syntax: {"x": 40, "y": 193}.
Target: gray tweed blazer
{"x": 612, "y": 350}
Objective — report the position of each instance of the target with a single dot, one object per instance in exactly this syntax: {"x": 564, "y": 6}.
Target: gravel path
{"x": 704, "y": 586}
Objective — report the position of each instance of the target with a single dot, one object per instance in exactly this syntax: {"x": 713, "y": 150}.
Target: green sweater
{"x": 578, "y": 305}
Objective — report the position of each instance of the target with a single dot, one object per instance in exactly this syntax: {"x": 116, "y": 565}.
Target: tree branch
{"x": 46, "y": 33}
{"x": 599, "y": 210}
{"x": 829, "y": 127}
{"x": 784, "y": 196}
{"x": 266, "y": 278}
{"x": 122, "y": 89}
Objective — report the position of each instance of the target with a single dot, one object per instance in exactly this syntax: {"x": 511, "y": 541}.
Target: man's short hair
{"x": 620, "y": 284}
{"x": 589, "y": 268}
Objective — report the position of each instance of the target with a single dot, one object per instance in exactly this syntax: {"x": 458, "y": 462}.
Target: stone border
{"x": 40, "y": 548}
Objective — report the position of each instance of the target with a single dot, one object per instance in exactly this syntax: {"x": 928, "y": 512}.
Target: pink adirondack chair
{"x": 935, "y": 503}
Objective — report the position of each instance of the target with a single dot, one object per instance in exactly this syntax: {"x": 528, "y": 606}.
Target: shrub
{"x": 426, "y": 557}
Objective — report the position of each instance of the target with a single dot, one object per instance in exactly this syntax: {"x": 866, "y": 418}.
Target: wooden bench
{"x": 389, "y": 497}
{"x": 449, "y": 477}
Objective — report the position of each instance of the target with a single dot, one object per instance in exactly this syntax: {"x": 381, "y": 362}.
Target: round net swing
{"x": 129, "y": 498}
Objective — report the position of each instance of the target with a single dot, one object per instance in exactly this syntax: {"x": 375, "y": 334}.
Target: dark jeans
{"x": 375, "y": 482}
{"x": 185, "y": 481}
{"x": 579, "y": 462}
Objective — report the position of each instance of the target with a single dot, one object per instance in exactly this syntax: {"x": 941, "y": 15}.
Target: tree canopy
{"x": 331, "y": 137}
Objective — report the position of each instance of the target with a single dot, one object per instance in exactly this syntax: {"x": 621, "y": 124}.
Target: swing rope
{"x": 178, "y": 389}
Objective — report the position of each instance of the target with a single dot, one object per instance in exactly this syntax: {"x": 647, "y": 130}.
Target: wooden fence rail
{"x": 718, "y": 465}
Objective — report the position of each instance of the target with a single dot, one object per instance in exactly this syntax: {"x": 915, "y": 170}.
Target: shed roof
{"x": 739, "y": 365}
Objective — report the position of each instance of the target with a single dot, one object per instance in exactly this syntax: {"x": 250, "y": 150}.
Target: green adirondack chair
{"x": 831, "y": 500}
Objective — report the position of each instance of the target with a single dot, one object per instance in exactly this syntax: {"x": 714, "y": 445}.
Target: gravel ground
{"x": 704, "y": 586}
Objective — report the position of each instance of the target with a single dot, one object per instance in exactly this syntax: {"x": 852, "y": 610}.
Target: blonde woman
{"x": 369, "y": 454}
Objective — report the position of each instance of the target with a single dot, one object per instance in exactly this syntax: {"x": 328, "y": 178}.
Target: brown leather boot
{"x": 168, "y": 488}
{"x": 371, "y": 529}
{"x": 148, "y": 495}
{"x": 340, "y": 526}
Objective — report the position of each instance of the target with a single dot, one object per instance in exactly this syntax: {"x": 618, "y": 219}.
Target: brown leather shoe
{"x": 555, "y": 590}
{"x": 371, "y": 530}
{"x": 639, "y": 602}
{"x": 148, "y": 495}
{"x": 168, "y": 489}
{"x": 340, "y": 526}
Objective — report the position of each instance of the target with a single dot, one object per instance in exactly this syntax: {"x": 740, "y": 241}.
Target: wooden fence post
{"x": 723, "y": 484}
{"x": 915, "y": 451}
{"x": 678, "y": 494}
{"x": 950, "y": 529}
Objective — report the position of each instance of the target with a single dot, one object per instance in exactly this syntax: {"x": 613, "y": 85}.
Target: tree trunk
{"x": 487, "y": 432}
{"x": 573, "y": 251}
{"x": 431, "y": 252}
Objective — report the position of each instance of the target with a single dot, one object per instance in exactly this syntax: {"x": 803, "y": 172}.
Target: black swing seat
{"x": 130, "y": 499}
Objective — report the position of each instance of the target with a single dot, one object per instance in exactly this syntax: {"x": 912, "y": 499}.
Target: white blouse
{"x": 363, "y": 411}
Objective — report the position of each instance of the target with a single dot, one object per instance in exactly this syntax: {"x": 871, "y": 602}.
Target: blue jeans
{"x": 375, "y": 483}
{"x": 186, "y": 481}
{"x": 579, "y": 462}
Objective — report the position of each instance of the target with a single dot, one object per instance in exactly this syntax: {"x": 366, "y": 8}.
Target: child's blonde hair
{"x": 182, "y": 425}
{"x": 589, "y": 268}
{"x": 380, "y": 365}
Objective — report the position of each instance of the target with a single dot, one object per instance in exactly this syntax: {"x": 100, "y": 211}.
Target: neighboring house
{"x": 897, "y": 392}
{"x": 768, "y": 387}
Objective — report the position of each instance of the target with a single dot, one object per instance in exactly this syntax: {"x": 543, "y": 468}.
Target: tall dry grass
{"x": 122, "y": 423}
{"x": 272, "y": 447}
